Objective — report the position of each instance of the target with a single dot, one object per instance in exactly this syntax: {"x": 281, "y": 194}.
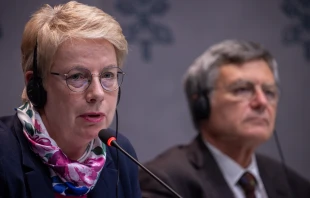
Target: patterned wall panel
{"x": 142, "y": 28}
{"x": 298, "y": 32}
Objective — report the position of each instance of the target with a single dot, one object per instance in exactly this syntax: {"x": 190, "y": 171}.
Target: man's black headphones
{"x": 200, "y": 105}
{"x": 35, "y": 90}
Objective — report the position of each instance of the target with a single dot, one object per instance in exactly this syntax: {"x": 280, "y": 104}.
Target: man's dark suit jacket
{"x": 192, "y": 172}
{"x": 22, "y": 174}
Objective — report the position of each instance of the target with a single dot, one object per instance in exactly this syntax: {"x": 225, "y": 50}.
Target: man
{"x": 232, "y": 91}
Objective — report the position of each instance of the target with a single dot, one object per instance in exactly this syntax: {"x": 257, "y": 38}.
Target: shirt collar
{"x": 230, "y": 169}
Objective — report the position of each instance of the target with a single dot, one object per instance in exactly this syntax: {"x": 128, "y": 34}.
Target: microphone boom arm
{"x": 114, "y": 143}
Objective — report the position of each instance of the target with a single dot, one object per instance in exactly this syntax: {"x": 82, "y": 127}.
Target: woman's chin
{"x": 90, "y": 133}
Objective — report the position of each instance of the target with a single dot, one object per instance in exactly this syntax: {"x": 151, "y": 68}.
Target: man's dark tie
{"x": 248, "y": 183}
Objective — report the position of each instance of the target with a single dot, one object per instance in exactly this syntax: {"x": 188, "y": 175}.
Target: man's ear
{"x": 28, "y": 75}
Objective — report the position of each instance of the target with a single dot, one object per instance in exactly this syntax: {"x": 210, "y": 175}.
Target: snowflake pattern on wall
{"x": 299, "y": 32}
{"x": 144, "y": 30}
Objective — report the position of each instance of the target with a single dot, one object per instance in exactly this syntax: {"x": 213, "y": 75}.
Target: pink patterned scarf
{"x": 69, "y": 177}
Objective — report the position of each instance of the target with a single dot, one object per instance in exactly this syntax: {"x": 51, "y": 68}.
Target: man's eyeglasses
{"x": 78, "y": 79}
{"x": 244, "y": 90}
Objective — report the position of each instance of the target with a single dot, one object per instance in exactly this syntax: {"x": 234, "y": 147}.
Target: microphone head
{"x": 106, "y": 136}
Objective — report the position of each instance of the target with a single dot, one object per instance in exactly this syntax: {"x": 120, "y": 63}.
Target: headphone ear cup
{"x": 201, "y": 108}
{"x": 36, "y": 92}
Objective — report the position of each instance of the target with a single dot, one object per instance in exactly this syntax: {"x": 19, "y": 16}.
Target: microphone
{"x": 107, "y": 137}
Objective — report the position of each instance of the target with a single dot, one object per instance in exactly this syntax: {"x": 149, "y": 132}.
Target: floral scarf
{"x": 69, "y": 177}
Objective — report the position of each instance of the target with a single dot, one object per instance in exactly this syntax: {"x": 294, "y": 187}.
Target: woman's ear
{"x": 28, "y": 75}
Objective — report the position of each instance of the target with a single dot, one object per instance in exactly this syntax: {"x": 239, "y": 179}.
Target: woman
{"x": 72, "y": 56}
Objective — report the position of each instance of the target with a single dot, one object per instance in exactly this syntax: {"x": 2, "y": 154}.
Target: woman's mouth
{"x": 93, "y": 117}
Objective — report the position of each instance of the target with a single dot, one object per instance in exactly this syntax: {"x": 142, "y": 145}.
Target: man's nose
{"x": 260, "y": 99}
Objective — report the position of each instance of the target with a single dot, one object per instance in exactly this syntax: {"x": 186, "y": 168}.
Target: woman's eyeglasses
{"x": 78, "y": 79}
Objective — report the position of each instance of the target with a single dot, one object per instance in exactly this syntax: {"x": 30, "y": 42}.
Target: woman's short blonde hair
{"x": 50, "y": 26}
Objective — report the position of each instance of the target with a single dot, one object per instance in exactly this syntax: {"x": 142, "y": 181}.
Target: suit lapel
{"x": 36, "y": 174}
{"x": 199, "y": 155}
{"x": 273, "y": 179}
{"x": 212, "y": 177}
